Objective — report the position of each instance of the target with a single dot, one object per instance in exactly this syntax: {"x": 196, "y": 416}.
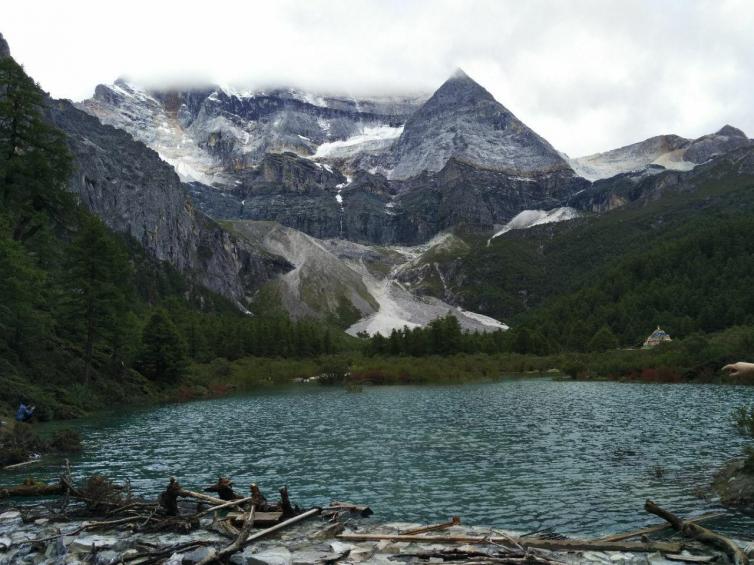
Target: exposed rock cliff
{"x": 654, "y": 181}
{"x": 210, "y": 134}
{"x": 135, "y": 192}
{"x": 4, "y": 49}
{"x": 668, "y": 151}
{"x": 463, "y": 121}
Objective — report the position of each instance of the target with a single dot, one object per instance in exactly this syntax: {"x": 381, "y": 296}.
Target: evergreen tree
{"x": 96, "y": 282}
{"x": 24, "y": 319}
{"x": 163, "y": 355}
{"x": 603, "y": 340}
{"x": 34, "y": 160}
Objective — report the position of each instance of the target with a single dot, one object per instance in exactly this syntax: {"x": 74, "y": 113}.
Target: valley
{"x": 298, "y": 244}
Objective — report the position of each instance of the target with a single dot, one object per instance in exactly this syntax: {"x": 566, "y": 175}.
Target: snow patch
{"x": 370, "y": 138}
{"x": 530, "y": 218}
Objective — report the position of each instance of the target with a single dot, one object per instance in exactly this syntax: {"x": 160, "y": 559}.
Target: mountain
{"x": 523, "y": 269}
{"x": 210, "y": 134}
{"x": 463, "y": 121}
{"x": 135, "y": 192}
{"x": 668, "y": 151}
{"x": 314, "y": 163}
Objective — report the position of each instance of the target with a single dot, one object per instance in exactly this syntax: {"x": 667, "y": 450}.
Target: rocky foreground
{"x": 52, "y": 542}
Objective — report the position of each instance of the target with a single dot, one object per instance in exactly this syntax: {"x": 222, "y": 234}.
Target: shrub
{"x": 743, "y": 419}
{"x": 66, "y": 441}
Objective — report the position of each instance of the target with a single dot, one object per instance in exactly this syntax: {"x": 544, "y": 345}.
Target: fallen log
{"x": 361, "y": 509}
{"x": 237, "y": 545}
{"x": 22, "y": 464}
{"x": 551, "y": 544}
{"x": 230, "y": 504}
{"x": 32, "y": 488}
{"x": 261, "y": 519}
{"x": 691, "y": 558}
{"x": 699, "y": 533}
{"x": 201, "y": 496}
{"x": 245, "y": 539}
{"x": 282, "y": 525}
{"x": 657, "y": 528}
{"x": 454, "y": 521}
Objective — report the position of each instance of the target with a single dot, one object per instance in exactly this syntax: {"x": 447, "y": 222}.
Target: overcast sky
{"x": 588, "y": 75}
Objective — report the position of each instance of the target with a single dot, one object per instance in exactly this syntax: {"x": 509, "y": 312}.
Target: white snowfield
{"x": 369, "y": 139}
{"x": 530, "y": 218}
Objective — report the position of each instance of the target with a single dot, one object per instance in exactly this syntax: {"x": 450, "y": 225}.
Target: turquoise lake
{"x": 578, "y": 458}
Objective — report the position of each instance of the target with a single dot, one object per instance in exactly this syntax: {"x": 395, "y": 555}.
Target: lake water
{"x": 575, "y": 457}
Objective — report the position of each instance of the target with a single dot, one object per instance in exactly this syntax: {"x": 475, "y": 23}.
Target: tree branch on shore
{"x": 699, "y": 533}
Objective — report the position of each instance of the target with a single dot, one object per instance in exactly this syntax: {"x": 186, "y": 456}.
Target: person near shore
{"x": 740, "y": 369}
{"x": 24, "y": 413}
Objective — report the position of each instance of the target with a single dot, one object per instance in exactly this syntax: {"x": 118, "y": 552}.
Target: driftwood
{"x": 236, "y": 545}
{"x": 454, "y": 521}
{"x": 22, "y": 464}
{"x": 31, "y": 488}
{"x": 169, "y": 498}
{"x": 245, "y": 539}
{"x": 224, "y": 489}
{"x": 201, "y": 496}
{"x": 657, "y": 528}
{"x": 230, "y": 504}
{"x": 261, "y": 519}
{"x": 469, "y": 557}
{"x": 691, "y": 558}
{"x": 258, "y": 498}
{"x": 551, "y": 544}
{"x": 285, "y": 504}
{"x": 361, "y": 509}
{"x": 699, "y": 533}
{"x": 281, "y": 525}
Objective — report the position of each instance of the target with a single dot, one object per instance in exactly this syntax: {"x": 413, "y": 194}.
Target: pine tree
{"x": 603, "y": 340}
{"x": 163, "y": 356}
{"x": 96, "y": 288}
{"x": 34, "y": 160}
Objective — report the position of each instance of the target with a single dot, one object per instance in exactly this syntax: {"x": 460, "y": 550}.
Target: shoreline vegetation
{"x": 696, "y": 359}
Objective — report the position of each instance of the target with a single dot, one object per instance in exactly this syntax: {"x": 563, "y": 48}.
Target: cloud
{"x": 588, "y": 75}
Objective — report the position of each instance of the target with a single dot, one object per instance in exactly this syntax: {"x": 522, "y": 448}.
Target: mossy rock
{"x": 734, "y": 483}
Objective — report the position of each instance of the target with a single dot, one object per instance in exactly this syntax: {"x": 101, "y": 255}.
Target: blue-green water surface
{"x": 579, "y": 458}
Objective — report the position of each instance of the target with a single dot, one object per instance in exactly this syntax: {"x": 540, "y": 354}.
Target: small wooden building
{"x": 656, "y": 338}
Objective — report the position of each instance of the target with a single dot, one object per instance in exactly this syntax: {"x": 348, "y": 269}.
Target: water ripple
{"x": 519, "y": 454}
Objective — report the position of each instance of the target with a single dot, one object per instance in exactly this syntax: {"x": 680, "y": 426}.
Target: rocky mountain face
{"x": 373, "y": 171}
{"x": 667, "y": 151}
{"x": 323, "y": 185}
{"x": 361, "y": 287}
{"x": 464, "y": 122}
{"x": 211, "y": 134}
{"x": 135, "y": 192}
{"x": 4, "y": 49}
{"x": 653, "y": 182}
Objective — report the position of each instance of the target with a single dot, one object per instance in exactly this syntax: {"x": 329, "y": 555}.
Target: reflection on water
{"x": 522, "y": 454}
